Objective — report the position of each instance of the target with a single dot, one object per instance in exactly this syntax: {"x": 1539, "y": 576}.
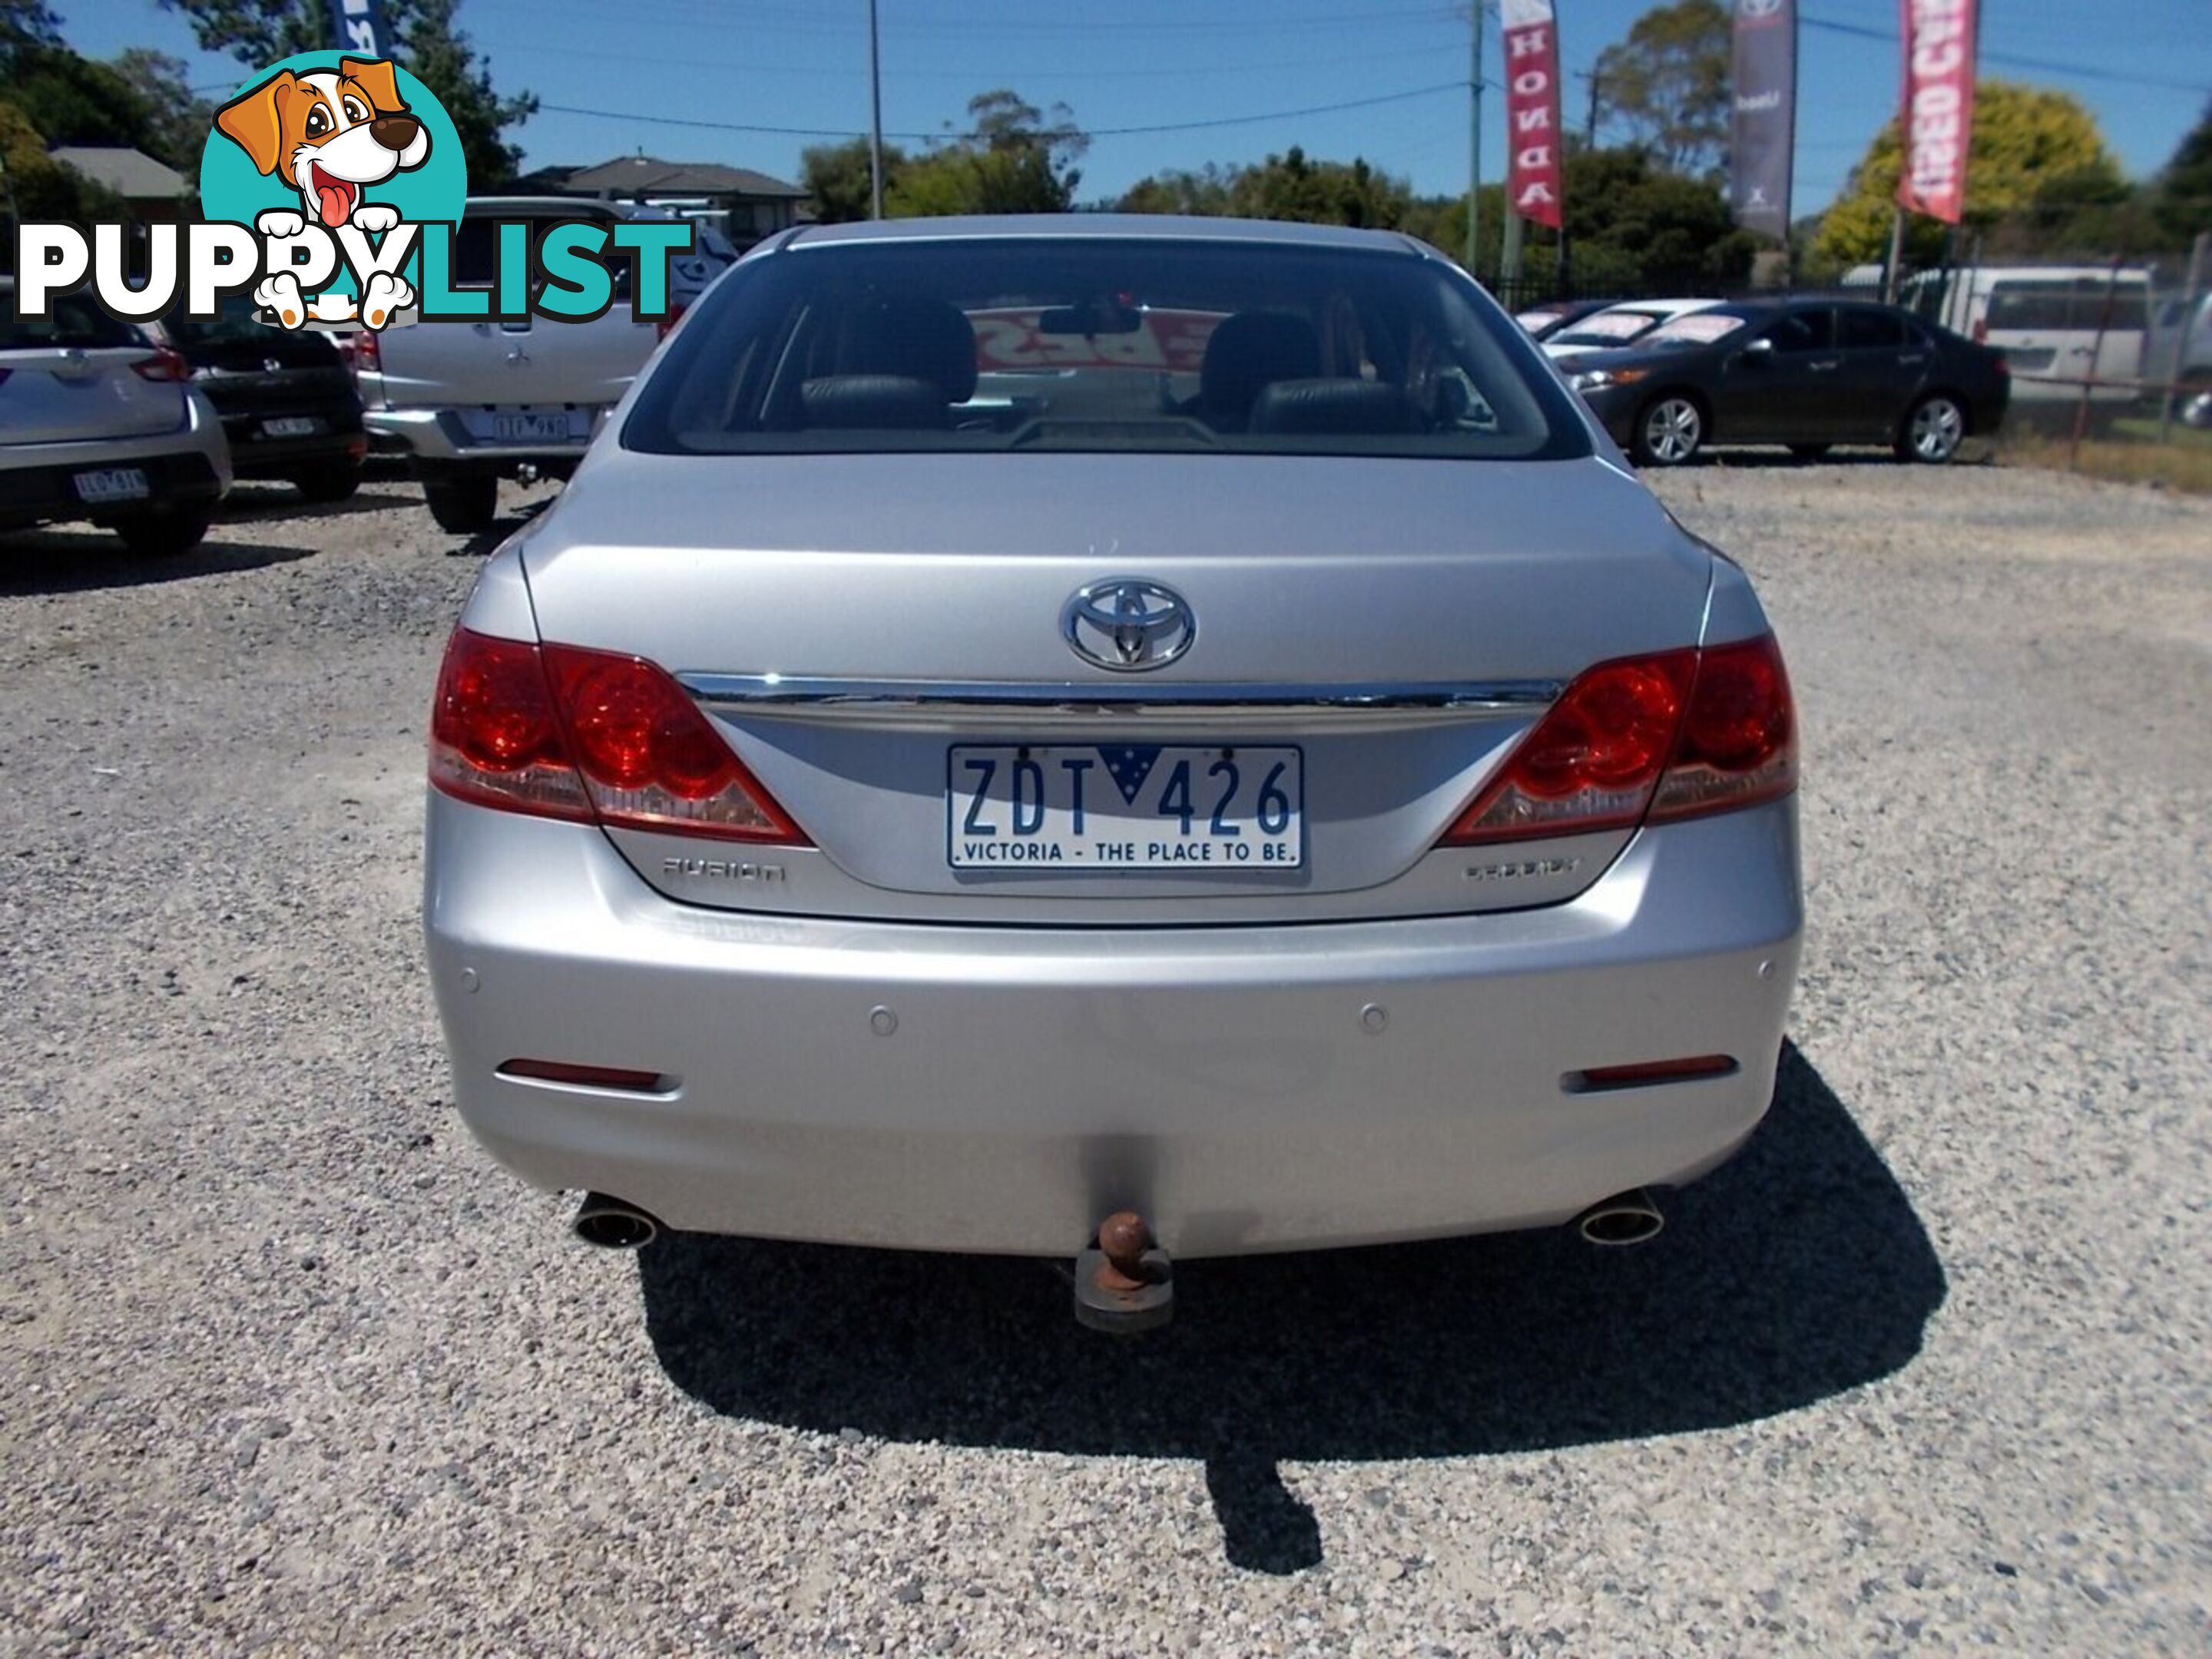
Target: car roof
{"x": 1107, "y": 228}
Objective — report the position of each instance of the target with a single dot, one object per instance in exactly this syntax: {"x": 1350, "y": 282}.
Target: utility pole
{"x": 1896, "y": 254}
{"x": 876, "y": 119}
{"x": 1590, "y": 121}
{"x": 1473, "y": 137}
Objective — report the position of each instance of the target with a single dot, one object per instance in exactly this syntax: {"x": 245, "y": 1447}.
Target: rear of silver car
{"x": 98, "y": 422}
{"x": 1341, "y": 830}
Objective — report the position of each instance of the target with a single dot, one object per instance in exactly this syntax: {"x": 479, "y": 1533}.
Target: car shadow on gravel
{"x": 1794, "y": 1273}
{"x": 46, "y": 561}
{"x": 246, "y": 506}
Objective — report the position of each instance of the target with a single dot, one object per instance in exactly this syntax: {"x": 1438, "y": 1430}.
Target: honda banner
{"x": 1532, "y": 111}
{"x": 1763, "y": 138}
{"x": 1938, "y": 116}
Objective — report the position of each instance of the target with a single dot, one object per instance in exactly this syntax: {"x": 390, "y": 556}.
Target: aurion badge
{"x": 1128, "y": 625}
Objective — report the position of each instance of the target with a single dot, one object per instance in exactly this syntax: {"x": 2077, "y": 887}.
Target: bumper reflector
{"x": 588, "y": 1076}
{"x": 1645, "y": 1074}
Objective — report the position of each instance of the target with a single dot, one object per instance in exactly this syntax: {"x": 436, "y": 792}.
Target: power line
{"x": 1093, "y": 132}
{"x": 2045, "y": 65}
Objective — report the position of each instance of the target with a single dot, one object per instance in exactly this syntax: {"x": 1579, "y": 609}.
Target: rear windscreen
{"x": 1101, "y": 343}
{"x": 77, "y": 320}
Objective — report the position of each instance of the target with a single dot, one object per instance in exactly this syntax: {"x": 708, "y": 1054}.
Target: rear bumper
{"x": 185, "y": 466}
{"x": 254, "y": 455}
{"x": 439, "y": 436}
{"x": 1224, "y": 1081}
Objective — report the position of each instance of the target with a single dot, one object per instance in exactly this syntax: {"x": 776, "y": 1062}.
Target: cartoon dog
{"x": 329, "y": 134}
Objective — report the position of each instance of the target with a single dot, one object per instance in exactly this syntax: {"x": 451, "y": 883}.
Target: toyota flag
{"x": 1938, "y": 118}
{"x": 1762, "y": 137}
{"x": 1532, "y": 110}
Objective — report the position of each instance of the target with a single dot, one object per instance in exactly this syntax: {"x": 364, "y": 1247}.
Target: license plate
{"x": 291, "y": 426}
{"x": 531, "y": 428}
{"x": 1124, "y": 806}
{"x": 114, "y": 484}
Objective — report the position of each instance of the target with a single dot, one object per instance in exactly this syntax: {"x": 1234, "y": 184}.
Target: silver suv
{"x": 471, "y": 402}
{"x": 98, "y": 422}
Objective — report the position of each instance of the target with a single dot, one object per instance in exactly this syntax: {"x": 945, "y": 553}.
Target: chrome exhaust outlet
{"x": 1624, "y": 1219}
{"x": 612, "y": 1225}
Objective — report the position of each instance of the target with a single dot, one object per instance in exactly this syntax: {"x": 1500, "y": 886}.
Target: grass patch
{"x": 2131, "y": 454}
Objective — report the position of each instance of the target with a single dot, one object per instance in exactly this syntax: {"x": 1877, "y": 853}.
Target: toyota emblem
{"x": 1127, "y": 624}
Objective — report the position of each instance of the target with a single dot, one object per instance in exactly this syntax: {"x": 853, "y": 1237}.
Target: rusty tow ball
{"x": 1124, "y": 1282}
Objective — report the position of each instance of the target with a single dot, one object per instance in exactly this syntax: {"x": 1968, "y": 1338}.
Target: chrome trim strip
{"x": 797, "y": 694}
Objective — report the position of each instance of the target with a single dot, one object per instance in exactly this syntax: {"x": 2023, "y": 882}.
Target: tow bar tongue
{"x": 1124, "y": 1282}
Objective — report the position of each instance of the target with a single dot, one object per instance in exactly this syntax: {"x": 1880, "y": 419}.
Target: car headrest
{"x": 1335, "y": 406}
{"x": 1248, "y": 350}
{"x": 919, "y": 339}
{"x": 877, "y": 401}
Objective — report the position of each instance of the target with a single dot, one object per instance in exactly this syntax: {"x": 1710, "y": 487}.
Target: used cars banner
{"x": 1764, "y": 139}
{"x": 1532, "y": 110}
{"x": 1938, "y": 116}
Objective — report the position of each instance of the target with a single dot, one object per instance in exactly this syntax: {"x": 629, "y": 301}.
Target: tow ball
{"x": 1124, "y": 1282}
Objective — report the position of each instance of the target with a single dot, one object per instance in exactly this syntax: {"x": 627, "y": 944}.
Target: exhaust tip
{"x": 1624, "y": 1219}
{"x": 612, "y": 1225}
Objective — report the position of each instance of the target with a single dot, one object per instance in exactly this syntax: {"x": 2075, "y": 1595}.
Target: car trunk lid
{"x": 1374, "y": 634}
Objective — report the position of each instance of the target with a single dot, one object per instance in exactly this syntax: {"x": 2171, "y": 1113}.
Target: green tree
{"x": 1295, "y": 187}
{"x": 839, "y": 181}
{"x": 1665, "y": 87}
{"x": 2181, "y": 199}
{"x": 1010, "y": 160}
{"x": 37, "y": 187}
{"x": 259, "y": 32}
{"x": 2034, "y": 151}
{"x": 176, "y": 119}
{"x": 1204, "y": 192}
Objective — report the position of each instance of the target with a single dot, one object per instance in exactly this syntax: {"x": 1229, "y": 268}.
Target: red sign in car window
{"x": 1164, "y": 342}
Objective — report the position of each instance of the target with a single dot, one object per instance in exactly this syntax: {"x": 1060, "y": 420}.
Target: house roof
{"x": 632, "y": 175}
{"x": 130, "y": 173}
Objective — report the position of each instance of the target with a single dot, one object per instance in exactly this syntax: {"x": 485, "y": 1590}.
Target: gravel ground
{"x": 287, "y": 1364}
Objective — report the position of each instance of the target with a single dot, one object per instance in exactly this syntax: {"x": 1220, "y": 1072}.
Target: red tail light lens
{"x": 565, "y": 732}
{"x": 1679, "y": 734}
{"x": 164, "y": 365}
{"x": 364, "y": 353}
{"x": 675, "y": 316}
{"x": 1982, "y": 331}
{"x": 1591, "y": 763}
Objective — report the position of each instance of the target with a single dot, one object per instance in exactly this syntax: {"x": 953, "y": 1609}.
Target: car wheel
{"x": 465, "y": 504}
{"x": 2192, "y": 405}
{"x": 164, "y": 534}
{"x": 1933, "y": 430}
{"x": 1669, "y": 431}
{"x": 334, "y": 481}
{"x": 1810, "y": 452}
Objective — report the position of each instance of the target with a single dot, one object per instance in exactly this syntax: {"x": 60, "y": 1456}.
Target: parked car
{"x": 1807, "y": 374}
{"x": 1030, "y": 730}
{"x": 285, "y": 396}
{"x": 2057, "y": 326}
{"x": 1542, "y": 322}
{"x": 98, "y": 422}
{"x": 1618, "y": 325}
{"x": 472, "y": 402}
{"x": 2179, "y": 354}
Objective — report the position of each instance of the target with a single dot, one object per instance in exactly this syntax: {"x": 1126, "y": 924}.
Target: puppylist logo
{"x": 333, "y": 186}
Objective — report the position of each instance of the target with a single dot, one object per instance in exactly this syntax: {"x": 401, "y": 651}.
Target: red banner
{"x": 1532, "y": 138}
{"x": 1938, "y": 116}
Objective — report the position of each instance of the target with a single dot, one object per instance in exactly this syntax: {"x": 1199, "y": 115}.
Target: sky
{"x": 1150, "y": 63}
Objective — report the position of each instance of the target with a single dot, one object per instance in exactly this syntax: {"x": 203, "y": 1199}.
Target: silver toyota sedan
{"x": 1113, "y": 737}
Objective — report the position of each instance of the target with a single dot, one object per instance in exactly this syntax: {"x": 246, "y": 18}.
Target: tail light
{"x": 1677, "y": 735}
{"x": 165, "y": 364}
{"x": 675, "y": 316}
{"x": 363, "y": 351}
{"x": 560, "y": 731}
{"x": 1981, "y": 330}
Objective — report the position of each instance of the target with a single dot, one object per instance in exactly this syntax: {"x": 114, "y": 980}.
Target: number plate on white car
{"x": 555, "y": 428}
{"x": 1124, "y": 806}
{"x": 112, "y": 484}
